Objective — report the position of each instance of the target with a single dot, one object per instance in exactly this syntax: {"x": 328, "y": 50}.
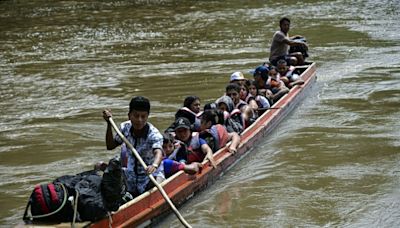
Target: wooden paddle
{"x": 137, "y": 156}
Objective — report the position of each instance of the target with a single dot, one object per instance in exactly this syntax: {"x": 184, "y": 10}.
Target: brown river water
{"x": 334, "y": 162}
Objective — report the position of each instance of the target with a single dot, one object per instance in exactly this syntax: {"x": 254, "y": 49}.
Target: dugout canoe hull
{"x": 150, "y": 206}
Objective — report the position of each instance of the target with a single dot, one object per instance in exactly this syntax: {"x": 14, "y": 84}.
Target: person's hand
{"x": 193, "y": 168}
{"x": 151, "y": 169}
{"x": 212, "y": 162}
{"x": 232, "y": 150}
{"x": 107, "y": 114}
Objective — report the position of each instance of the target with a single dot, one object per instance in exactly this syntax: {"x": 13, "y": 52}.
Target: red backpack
{"x": 48, "y": 202}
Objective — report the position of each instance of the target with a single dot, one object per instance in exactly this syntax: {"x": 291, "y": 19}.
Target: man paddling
{"x": 281, "y": 43}
{"x": 145, "y": 138}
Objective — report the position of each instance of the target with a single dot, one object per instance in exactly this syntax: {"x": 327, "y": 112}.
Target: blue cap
{"x": 262, "y": 71}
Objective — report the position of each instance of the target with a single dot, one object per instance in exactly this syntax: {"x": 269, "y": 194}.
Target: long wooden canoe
{"x": 148, "y": 207}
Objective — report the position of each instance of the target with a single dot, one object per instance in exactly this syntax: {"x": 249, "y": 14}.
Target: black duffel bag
{"x": 304, "y": 51}
{"x": 77, "y": 198}
{"x": 69, "y": 198}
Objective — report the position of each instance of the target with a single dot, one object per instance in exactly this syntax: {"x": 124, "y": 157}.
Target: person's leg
{"x": 251, "y": 114}
{"x": 274, "y": 62}
{"x": 130, "y": 183}
{"x": 171, "y": 167}
{"x": 299, "y": 58}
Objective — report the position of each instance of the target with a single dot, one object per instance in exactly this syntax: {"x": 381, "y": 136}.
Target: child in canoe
{"x": 170, "y": 165}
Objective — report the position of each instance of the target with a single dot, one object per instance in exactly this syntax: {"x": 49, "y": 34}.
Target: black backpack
{"x": 113, "y": 186}
{"x": 86, "y": 191}
{"x": 49, "y": 203}
{"x": 77, "y": 198}
{"x": 233, "y": 125}
{"x": 301, "y": 49}
{"x": 69, "y": 198}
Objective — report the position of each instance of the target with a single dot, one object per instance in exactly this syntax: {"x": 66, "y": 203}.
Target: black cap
{"x": 182, "y": 122}
{"x": 209, "y": 106}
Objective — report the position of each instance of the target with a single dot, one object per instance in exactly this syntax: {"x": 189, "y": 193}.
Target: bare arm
{"x": 294, "y": 43}
{"x": 110, "y": 143}
{"x": 209, "y": 154}
{"x": 157, "y": 161}
{"x": 235, "y": 142}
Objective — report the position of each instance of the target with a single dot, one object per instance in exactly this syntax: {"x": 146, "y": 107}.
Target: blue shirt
{"x": 137, "y": 178}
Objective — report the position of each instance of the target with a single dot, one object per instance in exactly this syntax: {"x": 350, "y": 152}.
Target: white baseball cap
{"x": 237, "y": 76}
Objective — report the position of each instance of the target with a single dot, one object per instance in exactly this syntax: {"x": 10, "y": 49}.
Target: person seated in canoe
{"x": 169, "y": 166}
{"x": 281, "y": 43}
{"x": 275, "y": 84}
{"x": 213, "y": 130}
{"x": 191, "y": 111}
{"x": 262, "y": 102}
{"x": 192, "y": 103}
{"x": 193, "y": 148}
{"x": 260, "y": 75}
{"x": 287, "y": 75}
{"x": 234, "y": 121}
{"x": 146, "y": 139}
{"x": 245, "y": 96}
{"x": 238, "y": 78}
{"x": 248, "y": 113}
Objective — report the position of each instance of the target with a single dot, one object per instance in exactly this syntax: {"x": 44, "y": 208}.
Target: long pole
{"x": 137, "y": 156}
